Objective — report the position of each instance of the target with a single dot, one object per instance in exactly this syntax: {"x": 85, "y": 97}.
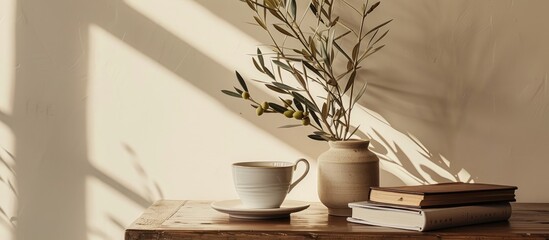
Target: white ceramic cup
{"x": 265, "y": 184}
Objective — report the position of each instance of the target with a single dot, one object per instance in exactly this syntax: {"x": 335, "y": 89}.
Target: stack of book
{"x": 435, "y": 206}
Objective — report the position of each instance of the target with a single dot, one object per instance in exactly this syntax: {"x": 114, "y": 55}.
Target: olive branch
{"x": 312, "y": 62}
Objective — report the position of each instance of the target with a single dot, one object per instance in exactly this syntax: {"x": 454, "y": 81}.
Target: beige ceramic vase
{"x": 345, "y": 174}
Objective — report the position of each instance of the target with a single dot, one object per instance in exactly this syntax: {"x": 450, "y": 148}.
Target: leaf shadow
{"x": 384, "y": 94}
{"x": 145, "y": 179}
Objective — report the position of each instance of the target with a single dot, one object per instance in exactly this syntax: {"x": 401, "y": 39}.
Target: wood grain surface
{"x": 177, "y": 219}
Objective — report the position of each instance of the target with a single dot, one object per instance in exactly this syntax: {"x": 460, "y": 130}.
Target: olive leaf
{"x": 276, "y": 89}
{"x": 317, "y": 137}
{"x": 330, "y": 43}
{"x": 269, "y": 73}
{"x": 368, "y": 53}
{"x": 259, "y": 68}
{"x": 324, "y": 112}
{"x": 260, "y": 22}
{"x": 356, "y": 49}
{"x": 321, "y": 136}
{"x": 277, "y": 107}
{"x": 283, "y": 65}
{"x": 276, "y": 14}
{"x": 381, "y": 37}
{"x": 305, "y": 101}
{"x": 284, "y": 86}
{"x": 251, "y": 5}
{"x": 336, "y": 45}
{"x": 232, "y": 94}
{"x": 353, "y": 130}
{"x": 291, "y": 126}
{"x": 241, "y": 81}
{"x": 260, "y": 57}
{"x": 378, "y": 27}
{"x": 315, "y": 118}
{"x": 282, "y": 30}
{"x": 298, "y": 104}
{"x": 300, "y": 79}
{"x": 310, "y": 67}
{"x": 350, "y": 82}
{"x": 373, "y": 7}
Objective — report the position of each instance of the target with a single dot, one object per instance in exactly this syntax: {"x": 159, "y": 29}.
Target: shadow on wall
{"x": 444, "y": 90}
{"x": 469, "y": 79}
{"x": 401, "y": 83}
{"x": 50, "y": 129}
{"x": 8, "y": 201}
{"x": 150, "y": 192}
{"x": 52, "y": 146}
{"x": 404, "y": 158}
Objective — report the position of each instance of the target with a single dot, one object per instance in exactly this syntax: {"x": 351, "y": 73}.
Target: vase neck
{"x": 350, "y": 144}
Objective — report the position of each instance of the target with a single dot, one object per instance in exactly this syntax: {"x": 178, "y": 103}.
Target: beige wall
{"x": 109, "y": 105}
{"x": 469, "y": 80}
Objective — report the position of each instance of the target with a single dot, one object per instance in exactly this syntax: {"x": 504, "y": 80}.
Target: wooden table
{"x": 168, "y": 219}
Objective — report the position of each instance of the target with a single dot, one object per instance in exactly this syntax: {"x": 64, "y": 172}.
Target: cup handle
{"x": 303, "y": 175}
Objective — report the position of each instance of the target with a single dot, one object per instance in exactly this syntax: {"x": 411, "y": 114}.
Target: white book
{"x": 428, "y": 218}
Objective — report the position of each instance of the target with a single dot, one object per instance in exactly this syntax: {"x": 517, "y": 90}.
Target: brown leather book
{"x": 443, "y": 194}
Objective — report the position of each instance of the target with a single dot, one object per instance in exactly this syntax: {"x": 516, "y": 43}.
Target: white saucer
{"x": 235, "y": 209}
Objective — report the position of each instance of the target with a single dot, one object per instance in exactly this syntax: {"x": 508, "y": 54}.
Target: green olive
{"x": 265, "y": 105}
{"x": 289, "y": 113}
{"x": 259, "y": 110}
{"x": 246, "y": 95}
{"x": 288, "y": 102}
{"x": 306, "y": 121}
{"x": 298, "y": 115}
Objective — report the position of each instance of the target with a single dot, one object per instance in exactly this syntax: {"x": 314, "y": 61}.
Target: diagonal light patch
{"x": 120, "y": 97}
{"x": 204, "y": 31}
{"x": 149, "y": 33}
{"x": 111, "y": 86}
{"x": 182, "y": 112}
{"x": 7, "y": 72}
{"x": 136, "y": 101}
{"x": 209, "y": 74}
{"x": 7, "y": 48}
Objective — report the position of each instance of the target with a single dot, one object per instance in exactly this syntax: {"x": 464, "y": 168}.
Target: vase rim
{"x": 352, "y": 140}
{"x": 350, "y": 143}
